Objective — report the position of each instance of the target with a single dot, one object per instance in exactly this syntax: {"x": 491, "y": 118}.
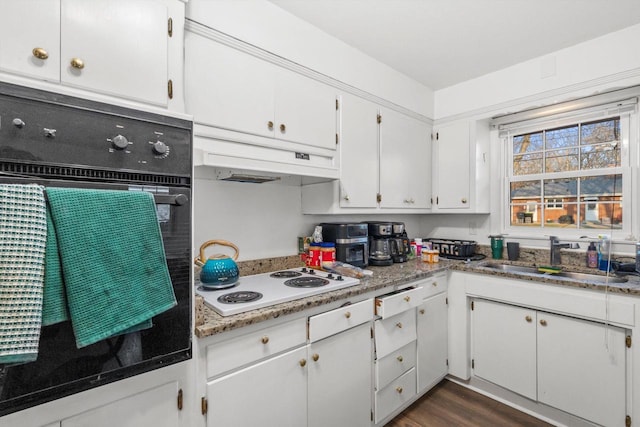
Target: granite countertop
{"x": 208, "y": 322}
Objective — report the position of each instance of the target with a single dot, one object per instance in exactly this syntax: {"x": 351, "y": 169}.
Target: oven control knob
{"x": 120, "y": 142}
{"x": 312, "y": 271}
{"x": 18, "y": 123}
{"x": 329, "y": 276}
{"x": 339, "y": 278}
{"x": 160, "y": 148}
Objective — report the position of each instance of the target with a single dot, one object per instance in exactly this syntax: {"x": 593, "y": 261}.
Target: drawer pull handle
{"x": 434, "y": 284}
{"x": 40, "y": 53}
{"x": 399, "y": 390}
{"x": 77, "y": 63}
{"x": 464, "y": 200}
{"x": 399, "y": 325}
{"x": 400, "y": 359}
{"x": 528, "y": 319}
{"x": 270, "y": 125}
{"x": 283, "y": 128}
{"x": 543, "y": 322}
{"x": 315, "y": 357}
{"x": 265, "y": 339}
{"x": 422, "y": 311}
{"x": 347, "y": 315}
{"x": 303, "y": 362}
{"x": 407, "y": 298}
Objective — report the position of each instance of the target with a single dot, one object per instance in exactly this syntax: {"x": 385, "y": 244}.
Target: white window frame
{"x": 628, "y": 168}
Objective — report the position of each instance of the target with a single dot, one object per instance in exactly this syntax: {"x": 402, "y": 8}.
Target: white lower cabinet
{"x": 270, "y": 393}
{"x": 340, "y": 379}
{"x": 432, "y": 329}
{"x": 575, "y": 365}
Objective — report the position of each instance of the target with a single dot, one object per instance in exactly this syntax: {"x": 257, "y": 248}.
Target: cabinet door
{"x": 452, "y": 153}
{"x": 340, "y": 379}
{"x": 154, "y": 407}
{"x": 27, "y": 25}
{"x": 432, "y": 341}
{"x": 123, "y": 49}
{"x": 358, "y": 152}
{"x": 227, "y": 88}
{"x": 504, "y": 346}
{"x": 305, "y": 110}
{"x": 269, "y": 393}
{"x": 581, "y": 368}
{"x": 405, "y": 161}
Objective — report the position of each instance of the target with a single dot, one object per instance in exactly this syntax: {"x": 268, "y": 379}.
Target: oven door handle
{"x": 171, "y": 199}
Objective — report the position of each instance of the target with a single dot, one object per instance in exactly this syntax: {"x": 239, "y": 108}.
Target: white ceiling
{"x": 443, "y": 42}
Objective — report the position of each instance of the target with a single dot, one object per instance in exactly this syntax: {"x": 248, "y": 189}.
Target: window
{"x": 569, "y": 175}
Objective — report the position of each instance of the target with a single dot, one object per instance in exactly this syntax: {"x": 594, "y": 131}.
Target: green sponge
{"x": 549, "y": 269}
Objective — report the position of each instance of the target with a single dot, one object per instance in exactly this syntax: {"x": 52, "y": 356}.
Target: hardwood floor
{"x": 449, "y": 404}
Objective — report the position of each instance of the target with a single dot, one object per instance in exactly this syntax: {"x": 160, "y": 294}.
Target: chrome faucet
{"x": 554, "y": 249}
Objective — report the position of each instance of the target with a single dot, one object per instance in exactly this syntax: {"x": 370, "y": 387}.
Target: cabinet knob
{"x": 400, "y": 359}
{"x": 422, "y": 311}
{"x": 528, "y": 319}
{"x": 346, "y": 197}
{"x": 270, "y": 125}
{"x": 399, "y": 325}
{"x": 407, "y": 298}
{"x": 464, "y": 200}
{"x": 315, "y": 357}
{"x": 434, "y": 284}
{"x": 543, "y": 322}
{"x": 77, "y": 63}
{"x": 283, "y": 128}
{"x": 40, "y": 53}
{"x": 347, "y": 315}
{"x": 18, "y": 122}
{"x": 399, "y": 390}
{"x": 303, "y": 362}
{"x": 265, "y": 339}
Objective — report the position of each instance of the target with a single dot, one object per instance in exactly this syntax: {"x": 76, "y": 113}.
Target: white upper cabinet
{"x": 405, "y": 161}
{"x": 461, "y": 167}
{"x": 231, "y": 89}
{"x": 119, "y": 49}
{"x": 358, "y": 153}
{"x": 30, "y": 38}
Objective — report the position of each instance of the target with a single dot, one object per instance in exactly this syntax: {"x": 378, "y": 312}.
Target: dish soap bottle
{"x": 592, "y": 256}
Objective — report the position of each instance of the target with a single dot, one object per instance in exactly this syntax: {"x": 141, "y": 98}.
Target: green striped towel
{"x": 113, "y": 261}
{"x": 23, "y": 235}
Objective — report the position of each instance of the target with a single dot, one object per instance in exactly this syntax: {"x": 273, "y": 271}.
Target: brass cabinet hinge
{"x": 447, "y": 362}
{"x": 379, "y": 119}
{"x": 337, "y": 104}
{"x": 337, "y": 139}
{"x": 627, "y": 341}
{"x": 204, "y": 406}
{"x": 170, "y": 89}
{"x": 379, "y": 198}
{"x": 372, "y": 415}
{"x": 371, "y": 333}
{"x": 446, "y": 300}
{"x": 473, "y": 363}
{"x": 437, "y": 136}
{"x": 627, "y": 421}
{"x": 472, "y": 305}
{"x": 180, "y": 400}
{"x": 170, "y": 27}
{"x": 437, "y": 200}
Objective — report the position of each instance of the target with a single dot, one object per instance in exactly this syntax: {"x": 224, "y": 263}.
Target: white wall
{"x": 265, "y": 25}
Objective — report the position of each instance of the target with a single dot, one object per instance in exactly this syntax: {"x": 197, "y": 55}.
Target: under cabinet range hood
{"x": 232, "y": 156}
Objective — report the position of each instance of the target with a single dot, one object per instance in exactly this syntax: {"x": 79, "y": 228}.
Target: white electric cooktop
{"x": 263, "y": 290}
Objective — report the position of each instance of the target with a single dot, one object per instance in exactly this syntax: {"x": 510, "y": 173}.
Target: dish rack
{"x": 453, "y": 248}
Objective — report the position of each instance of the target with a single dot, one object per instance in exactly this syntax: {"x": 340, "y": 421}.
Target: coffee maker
{"x": 380, "y": 235}
{"x": 400, "y": 243}
{"x": 351, "y": 239}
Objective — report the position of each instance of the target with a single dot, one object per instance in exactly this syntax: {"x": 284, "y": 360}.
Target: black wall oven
{"x": 61, "y": 141}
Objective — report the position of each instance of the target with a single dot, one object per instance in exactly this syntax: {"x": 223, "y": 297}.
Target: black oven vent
{"x": 94, "y": 175}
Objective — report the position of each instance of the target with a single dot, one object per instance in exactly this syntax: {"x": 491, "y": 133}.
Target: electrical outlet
{"x": 473, "y": 230}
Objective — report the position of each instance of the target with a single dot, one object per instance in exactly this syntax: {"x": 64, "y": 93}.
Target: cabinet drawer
{"x": 340, "y": 319}
{"x": 395, "y": 332}
{"x": 397, "y": 393}
{"x": 231, "y": 354}
{"x": 395, "y": 364}
{"x": 434, "y": 285}
{"x": 397, "y": 302}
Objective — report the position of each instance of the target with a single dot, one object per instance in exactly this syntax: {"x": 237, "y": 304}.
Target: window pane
{"x": 562, "y": 160}
{"x": 561, "y": 188}
{"x": 603, "y": 185}
{"x": 525, "y": 203}
{"x": 562, "y": 137}
{"x": 601, "y": 214}
{"x": 526, "y": 214}
{"x": 601, "y": 131}
{"x": 565, "y": 217}
{"x": 527, "y": 143}
{"x": 527, "y": 164}
{"x": 599, "y": 156}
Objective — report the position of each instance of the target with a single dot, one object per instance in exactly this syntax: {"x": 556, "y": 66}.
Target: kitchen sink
{"x": 566, "y": 275}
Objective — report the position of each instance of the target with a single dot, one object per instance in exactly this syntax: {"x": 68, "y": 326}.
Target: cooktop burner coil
{"x": 306, "y": 282}
{"x": 239, "y": 297}
{"x": 285, "y": 274}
